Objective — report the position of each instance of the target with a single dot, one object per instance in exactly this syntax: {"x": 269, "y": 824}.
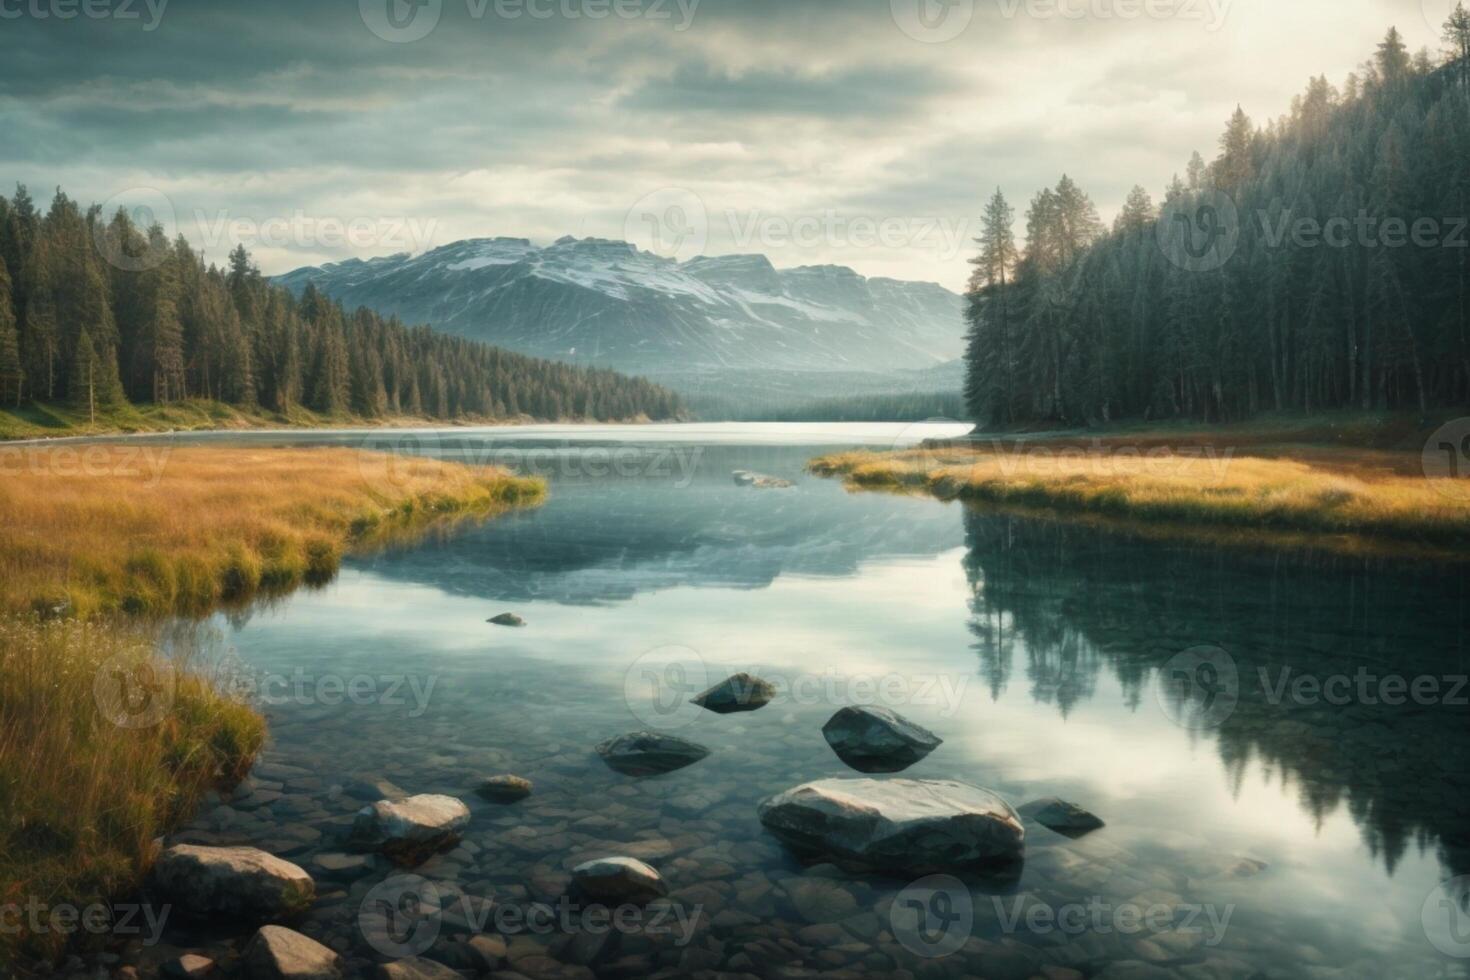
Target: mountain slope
{"x": 594, "y": 301}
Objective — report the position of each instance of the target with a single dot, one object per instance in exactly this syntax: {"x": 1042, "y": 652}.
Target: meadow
{"x": 110, "y": 731}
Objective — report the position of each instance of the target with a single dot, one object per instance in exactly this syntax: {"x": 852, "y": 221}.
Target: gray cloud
{"x": 542, "y": 126}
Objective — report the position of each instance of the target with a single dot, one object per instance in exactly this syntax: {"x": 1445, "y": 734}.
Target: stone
{"x": 760, "y": 481}
{"x": 873, "y": 739}
{"x": 821, "y": 900}
{"x": 372, "y": 788}
{"x": 649, "y": 753}
{"x": 906, "y": 825}
{"x": 507, "y": 619}
{"x": 618, "y": 881}
{"x": 232, "y": 882}
{"x": 410, "y": 831}
{"x": 190, "y": 966}
{"x": 504, "y": 789}
{"x": 740, "y": 692}
{"x": 1063, "y": 817}
{"x": 277, "y": 953}
{"x": 416, "y": 968}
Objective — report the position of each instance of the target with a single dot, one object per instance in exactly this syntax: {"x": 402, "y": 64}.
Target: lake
{"x": 1277, "y": 741}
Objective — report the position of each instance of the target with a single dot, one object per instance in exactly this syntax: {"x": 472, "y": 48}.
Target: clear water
{"x": 1285, "y": 835}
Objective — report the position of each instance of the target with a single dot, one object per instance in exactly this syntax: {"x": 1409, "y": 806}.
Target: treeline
{"x": 96, "y": 312}
{"x": 1320, "y": 262}
{"x": 903, "y": 407}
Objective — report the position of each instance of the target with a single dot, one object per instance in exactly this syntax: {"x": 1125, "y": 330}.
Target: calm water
{"x": 1287, "y": 831}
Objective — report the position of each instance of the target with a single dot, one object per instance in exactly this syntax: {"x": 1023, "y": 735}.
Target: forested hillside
{"x": 96, "y": 312}
{"x": 1319, "y": 261}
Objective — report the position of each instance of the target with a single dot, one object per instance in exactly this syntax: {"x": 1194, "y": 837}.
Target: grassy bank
{"x": 1191, "y": 488}
{"x": 105, "y": 743}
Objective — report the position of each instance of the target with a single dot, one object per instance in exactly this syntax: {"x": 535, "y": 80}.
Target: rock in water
{"x": 504, "y": 789}
{"x": 873, "y": 739}
{"x": 236, "y": 882}
{"x": 417, "y": 968}
{"x": 745, "y": 478}
{"x": 507, "y": 619}
{"x": 277, "y": 953}
{"x": 1061, "y": 816}
{"x": 618, "y": 880}
{"x": 649, "y": 753}
{"x": 742, "y": 692}
{"x": 409, "y": 831}
{"x": 910, "y": 826}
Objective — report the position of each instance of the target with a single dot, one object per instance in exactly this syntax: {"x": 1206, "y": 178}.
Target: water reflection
{"x": 1349, "y": 671}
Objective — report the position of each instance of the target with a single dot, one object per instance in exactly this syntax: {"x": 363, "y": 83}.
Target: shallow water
{"x": 1283, "y": 829}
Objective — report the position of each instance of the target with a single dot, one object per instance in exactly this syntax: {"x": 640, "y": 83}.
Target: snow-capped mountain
{"x": 594, "y": 301}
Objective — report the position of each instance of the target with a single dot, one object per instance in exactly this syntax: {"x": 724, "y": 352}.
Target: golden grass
{"x": 81, "y": 796}
{"x": 152, "y": 530}
{"x": 99, "y": 543}
{"x": 1215, "y": 489}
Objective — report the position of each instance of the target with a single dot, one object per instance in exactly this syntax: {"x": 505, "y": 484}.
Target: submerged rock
{"x": 617, "y": 880}
{"x": 873, "y": 739}
{"x": 236, "y": 882}
{"x": 417, "y": 968}
{"x": 649, "y": 753}
{"x": 740, "y": 692}
{"x": 190, "y": 966}
{"x": 745, "y": 478}
{"x": 409, "y": 831}
{"x": 504, "y": 789}
{"x": 914, "y": 826}
{"x": 277, "y": 953}
{"x": 1061, "y": 816}
{"x": 507, "y": 619}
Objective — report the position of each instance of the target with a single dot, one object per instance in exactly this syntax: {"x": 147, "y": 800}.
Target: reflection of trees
{"x": 1070, "y": 600}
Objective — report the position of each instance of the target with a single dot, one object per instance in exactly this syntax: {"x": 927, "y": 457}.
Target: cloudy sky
{"x": 860, "y": 132}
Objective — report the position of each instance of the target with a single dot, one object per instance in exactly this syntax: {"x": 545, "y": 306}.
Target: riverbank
{"x": 37, "y": 421}
{"x": 1311, "y": 492}
{"x": 105, "y": 743}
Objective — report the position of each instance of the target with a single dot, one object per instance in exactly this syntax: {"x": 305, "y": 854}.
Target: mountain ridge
{"x": 607, "y": 303}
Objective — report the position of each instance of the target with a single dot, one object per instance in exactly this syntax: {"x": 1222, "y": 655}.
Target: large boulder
{"x": 618, "y": 880}
{"x": 278, "y": 953}
{"x": 649, "y": 753}
{"x": 232, "y": 882}
{"x": 1065, "y": 818}
{"x": 409, "y": 831}
{"x": 873, "y": 739}
{"x": 740, "y": 692}
{"x": 507, "y": 619}
{"x": 910, "y": 826}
